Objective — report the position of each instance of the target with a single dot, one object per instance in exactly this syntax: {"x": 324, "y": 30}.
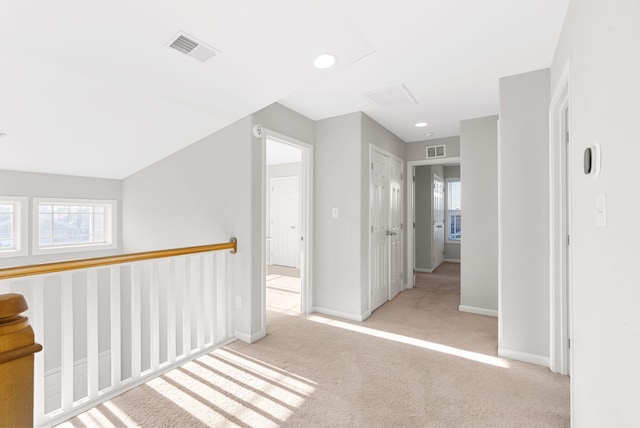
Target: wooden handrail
{"x": 16, "y": 272}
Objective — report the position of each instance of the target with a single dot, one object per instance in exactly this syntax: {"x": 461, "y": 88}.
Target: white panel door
{"x": 379, "y": 214}
{"x": 438, "y": 221}
{"x": 395, "y": 227}
{"x": 284, "y": 207}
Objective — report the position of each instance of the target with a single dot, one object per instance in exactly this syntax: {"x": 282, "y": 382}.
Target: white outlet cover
{"x": 334, "y": 213}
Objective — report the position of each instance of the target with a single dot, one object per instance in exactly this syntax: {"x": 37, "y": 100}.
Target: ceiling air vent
{"x": 192, "y": 47}
{"x": 436, "y": 151}
{"x": 394, "y": 96}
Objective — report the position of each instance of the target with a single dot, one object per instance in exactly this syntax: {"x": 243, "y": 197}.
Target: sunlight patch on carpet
{"x": 473, "y": 356}
{"x": 223, "y": 388}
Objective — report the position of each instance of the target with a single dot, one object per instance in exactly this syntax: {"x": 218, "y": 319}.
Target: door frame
{"x": 383, "y": 152}
{"x": 306, "y": 221}
{"x": 411, "y": 171}
{"x": 561, "y": 310}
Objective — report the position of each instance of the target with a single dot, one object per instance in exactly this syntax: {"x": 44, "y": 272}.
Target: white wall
{"x": 338, "y": 252}
{"x": 523, "y": 152}
{"x": 601, "y": 38}
{"x": 341, "y": 280}
{"x": 30, "y": 184}
{"x": 479, "y": 246}
{"x": 199, "y": 195}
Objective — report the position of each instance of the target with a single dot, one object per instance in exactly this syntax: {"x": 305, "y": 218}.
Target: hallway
{"x": 417, "y": 361}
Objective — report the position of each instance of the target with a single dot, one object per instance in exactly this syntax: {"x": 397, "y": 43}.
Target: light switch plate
{"x": 601, "y": 210}
{"x": 334, "y": 213}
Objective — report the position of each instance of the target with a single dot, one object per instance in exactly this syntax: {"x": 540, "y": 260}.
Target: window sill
{"x": 452, "y": 242}
{"x": 13, "y": 253}
{"x": 73, "y": 249}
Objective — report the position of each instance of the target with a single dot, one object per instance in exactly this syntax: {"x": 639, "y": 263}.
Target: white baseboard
{"x": 406, "y": 286}
{"x": 339, "y": 314}
{"x": 250, "y": 338}
{"x": 479, "y": 311}
{"x": 452, "y": 260}
{"x": 523, "y": 356}
{"x": 423, "y": 270}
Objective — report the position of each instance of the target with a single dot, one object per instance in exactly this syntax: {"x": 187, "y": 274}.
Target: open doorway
{"x": 287, "y": 224}
{"x": 434, "y": 246}
{"x": 437, "y": 216}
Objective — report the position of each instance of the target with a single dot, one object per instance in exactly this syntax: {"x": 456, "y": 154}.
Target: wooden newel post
{"x": 16, "y": 363}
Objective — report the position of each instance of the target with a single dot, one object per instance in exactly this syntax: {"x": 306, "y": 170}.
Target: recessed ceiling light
{"x": 428, "y": 134}
{"x": 3, "y": 135}
{"x": 421, "y": 124}
{"x": 324, "y": 61}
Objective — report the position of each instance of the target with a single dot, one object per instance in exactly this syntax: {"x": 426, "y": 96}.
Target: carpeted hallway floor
{"x": 416, "y": 361}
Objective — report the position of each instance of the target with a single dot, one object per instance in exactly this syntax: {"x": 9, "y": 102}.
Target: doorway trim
{"x": 306, "y": 222}
{"x": 411, "y": 173}
{"x": 561, "y": 324}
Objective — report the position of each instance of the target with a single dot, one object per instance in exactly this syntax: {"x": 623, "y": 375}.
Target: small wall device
{"x": 588, "y": 160}
{"x": 258, "y": 131}
{"x": 591, "y": 160}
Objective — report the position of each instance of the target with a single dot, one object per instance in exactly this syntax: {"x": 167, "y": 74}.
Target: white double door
{"x": 386, "y": 228}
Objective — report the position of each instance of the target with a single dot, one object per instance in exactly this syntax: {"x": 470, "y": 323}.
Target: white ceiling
{"x": 90, "y": 88}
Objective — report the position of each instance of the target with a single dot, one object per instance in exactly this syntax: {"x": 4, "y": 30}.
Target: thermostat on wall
{"x": 591, "y": 160}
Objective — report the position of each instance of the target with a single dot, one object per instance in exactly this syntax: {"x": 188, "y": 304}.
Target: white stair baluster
{"x": 207, "y": 283}
{"x": 221, "y": 284}
{"x": 154, "y": 312}
{"x": 186, "y": 308}
{"x": 198, "y": 298}
{"x": 136, "y": 322}
{"x": 66, "y": 312}
{"x": 92, "y": 334}
{"x": 116, "y": 339}
{"x": 171, "y": 312}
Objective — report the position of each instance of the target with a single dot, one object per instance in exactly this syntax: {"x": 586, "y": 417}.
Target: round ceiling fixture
{"x": 421, "y": 124}
{"x": 3, "y": 135}
{"x": 428, "y": 134}
{"x": 324, "y": 61}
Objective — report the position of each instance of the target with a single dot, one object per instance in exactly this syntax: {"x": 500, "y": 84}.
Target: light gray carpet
{"x": 416, "y": 361}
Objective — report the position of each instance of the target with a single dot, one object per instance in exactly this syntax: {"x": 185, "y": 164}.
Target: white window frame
{"x": 111, "y": 226}
{"x": 447, "y": 240}
{"x": 20, "y": 226}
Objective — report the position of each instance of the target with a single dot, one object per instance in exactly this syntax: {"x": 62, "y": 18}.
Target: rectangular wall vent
{"x": 394, "y": 96}
{"x": 436, "y": 151}
{"x": 192, "y": 47}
